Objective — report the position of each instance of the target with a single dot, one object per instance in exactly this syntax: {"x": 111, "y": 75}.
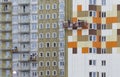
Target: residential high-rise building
{"x": 32, "y": 38}
{"x": 92, "y": 39}
{"x": 5, "y": 38}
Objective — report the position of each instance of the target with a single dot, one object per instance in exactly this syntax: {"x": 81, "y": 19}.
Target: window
{"x": 47, "y": 16}
{"x": 41, "y": 16}
{"x": 34, "y": 73}
{"x": 103, "y": 2}
{"x": 62, "y": 72}
{"x": 47, "y": 35}
{"x": 48, "y": 63}
{"x": 34, "y": 17}
{"x": 92, "y": 50}
{"x": 61, "y": 44}
{"x": 34, "y": 8}
{"x": 47, "y": 72}
{"x": 54, "y": 72}
{"x": 54, "y": 6}
{"x": 103, "y": 38}
{"x": 47, "y": 25}
{"x": 103, "y": 74}
{"x": 48, "y": 54}
{"x": 92, "y": 13}
{"x": 92, "y": 2}
{"x": 34, "y": 36}
{"x": 103, "y": 50}
{"x": 41, "y": 63}
{"x": 92, "y": 38}
{"x": 54, "y": 35}
{"x": 54, "y": 44}
{"x": 54, "y": 63}
{"x": 92, "y": 62}
{"x": 103, "y": 62}
{"x": 41, "y": 35}
{"x": 34, "y": 26}
{"x": 47, "y": 6}
{"x": 41, "y": 45}
{"x": 41, "y": 54}
{"x": 40, "y": 26}
{"x": 92, "y": 74}
{"x": 47, "y": 44}
{"x": 54, "y": 16}
{"x": 103, "y": 14}
{"x": 34, "y": 65}
{"x": 54, "y": 25}
{"x": 33, "y": 45}
{"x": 41, "y": 73}
{"x": 41, "y": 7}
{"x": 54, "y": 54}
{"x": 103, "y": 26}
{"x": 93, "y": 26}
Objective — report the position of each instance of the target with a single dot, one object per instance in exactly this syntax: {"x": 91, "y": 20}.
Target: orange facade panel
{"x": 85, "y": 50}
{"x": 110, "y": 20}
{"x": 111, "y": 44}
{"x": 96, "y": 20}
{"x": 72, "y": 44}
{"x": 74, "y": 19}
{"x": 79, "y": 8}
{"x": 97, "y": 44}
{"x": 79, "y": 32}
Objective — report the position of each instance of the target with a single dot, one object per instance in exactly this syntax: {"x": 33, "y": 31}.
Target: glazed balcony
{"x": 22, "y": 21}
{"x": 26, "y": 11}
{"x": 3, "y": 47}
{"x": 3, "y": 19}
{"x": 4, "y": 29}
{"x": 4, "y": 74}
{"x": 33, "y": 57}
{"x": 4, "y": 38}
{"x": 9, "y": 10}
{"x": 5, "y": 1}
{"x": 5, "y": 66}
{"x": 23, "y": 68}
{"x": 24, "y": 31}
{"x": 4, "y": 57}
{"x": 23, "y": 2}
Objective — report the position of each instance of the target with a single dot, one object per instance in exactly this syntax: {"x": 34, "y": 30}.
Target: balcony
{"x": 24, "y": 21}
{"x": 24, "y": 59}
{"x": 9, "y": 10}
{"x": 3, "y": 29}
{"x": 14, "y": 50}
{"x": 5, "y": 67}
{"x": 4, "y": 20}
{"x": 4, "y": 48}
{"x": 3, "y": 38}
{"x": 24, "y": 49}
{"x": 24, "y": 31}
{"x": 26, "y": 11}
{"x": 23, "y": 68}
{"x": 33, "y": 57}
{"x": 23, "y": 2}
{"x": 5, "y": 1}
{"x": 4, "y": 57}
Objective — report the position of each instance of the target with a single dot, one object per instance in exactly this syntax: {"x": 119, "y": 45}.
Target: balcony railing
{"x": 24, "y": 21}
{"x": 6, "y": 38}
{"x": 3, "y": 19}
{"x": 4, "y": 66}
{"x": 24, "y": 31}
{"x": 5, "y": 10}
{"x": 24, "y": 2}
{"x": 26, "y": 11}
{"x": 4, "y": 57}
{"x": 5, "y": 1}
{"x": 33, "y": 57}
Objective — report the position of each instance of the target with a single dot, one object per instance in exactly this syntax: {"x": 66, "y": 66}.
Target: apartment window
{"x": 15, "y": 9}
{"x": 41, "y": 63}
{"x": 93, "y": 26}
{"x": 54, "y": 73}
{"x": 103, "y": 38}
{"x": 61, "y": 44}
{"x": 54, "y": 35}
{"x": 41, "y": 16}
{"x": 103, "y": 62}
{"x": 41, "y": 35}
{"x": 47, "y": 44}
{"x": 47, "y": 72}
{"x": 34, "y": 65}
{"x": 47, "y": 25}
{"x": 41, "y": 45}
{"x": 47, "y": 35}
{"x": 34, "y": 36}
{"x": 92, "y": 74}
{"x": 92, "y": 2}
{"x": 62, "y": 72}
{"x": 47, "y": 16}
{"x": 54, "y": 15}
{"x": 54, "y": 25}
{"x": 34, "y": 8}
{"x": 92, "y": 38}
{"x": 34, "y": 73}
{"x": 54, "y": 44}
{"x": 103, "y": 50}
{"x": 41, "y": 54}
{"x": 54, "y": 63}
{"x": 48, "y": 54}
{"x": 33, "y": 45}
{"x": 103, "y": 14}
{"x": 103, "y": 2}
{"x": 34, "y": 17}
{"x": 92, "y": 50}
{"x": 92, "y": 62}
{"x": 61, "y": 54}
{"x": 34, "y": 26}
{"x": 61, "y": 63}
{"x": 14, "y": 18}
{"x": 47, "y": 63}
{"x": 92, "y": 13}
{"x": 41, "y": 73}
{"x": 41, "y": 7}
{"x": 103, "y": 26}
{"x": 41, "y": 26}
{"x": 54, "y": 6}
{"x": 47, "y": 6}
{"x": 54, "y": 54}
{"x": 103, "y": 74}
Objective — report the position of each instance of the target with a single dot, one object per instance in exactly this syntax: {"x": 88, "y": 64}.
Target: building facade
{"x": 92, "y": 39}
{"x": 5, "y": 38}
